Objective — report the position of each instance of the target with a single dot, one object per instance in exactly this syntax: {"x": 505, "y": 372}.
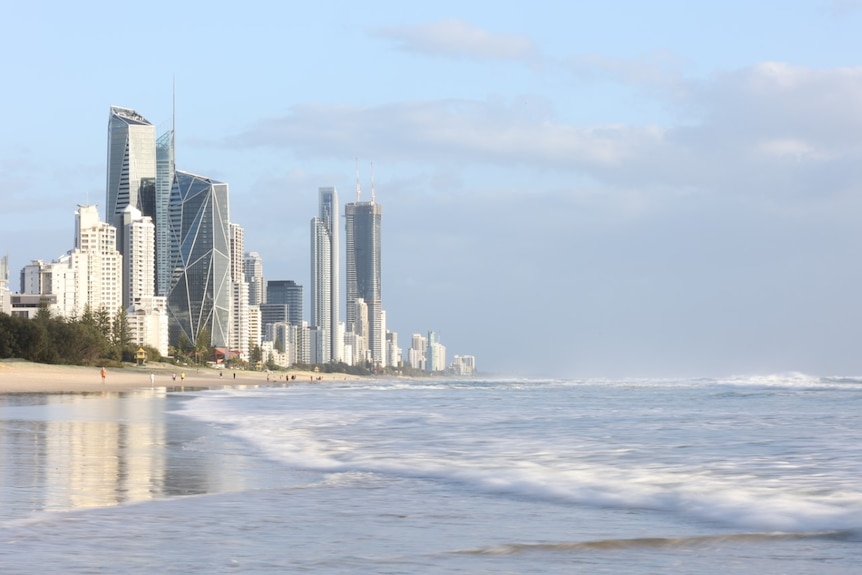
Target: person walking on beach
{"x": 104, "y": 374}
{"x": 152, "y": 379}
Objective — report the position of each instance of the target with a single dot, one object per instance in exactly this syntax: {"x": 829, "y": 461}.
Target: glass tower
{"x": 289, "y": 293}
{"x": 199, "y": 298}
{"x": 131, "y": 166}
{"x": 363, "y": 270}
{"x": 164, "y": 182}
{"x": 325, "y": 273}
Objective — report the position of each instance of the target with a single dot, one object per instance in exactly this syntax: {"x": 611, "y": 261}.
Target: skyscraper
{"x": 253, "y": 268}
{"x": 325, "y": 274}
{"x": 165, "y": 168}
{"x": 363, "y": 270}
{"x": 200, "y": 295}
{"x": 239, "y": 334}
{"x": 131, "y": 166}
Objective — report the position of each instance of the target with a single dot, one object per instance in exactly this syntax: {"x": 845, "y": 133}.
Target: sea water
{"x": 739, "y": 475}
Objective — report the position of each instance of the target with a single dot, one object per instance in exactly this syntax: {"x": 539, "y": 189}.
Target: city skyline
{"x": 209, "y": 299}
{"x": 611, "y": 189}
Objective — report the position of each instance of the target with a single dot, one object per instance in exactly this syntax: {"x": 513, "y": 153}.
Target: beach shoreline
{"x": 21, "y": 376}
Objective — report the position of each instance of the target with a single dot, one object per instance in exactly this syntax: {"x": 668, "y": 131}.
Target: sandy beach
{"x": 18, "y": 376}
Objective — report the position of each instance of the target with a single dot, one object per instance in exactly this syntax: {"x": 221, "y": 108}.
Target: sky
{"x": 569, "y": 189}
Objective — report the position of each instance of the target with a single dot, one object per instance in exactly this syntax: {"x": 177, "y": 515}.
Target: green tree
{"x": 184, "y": 345}
{"x": 121, "y": 337}
{"x": 203, "y": 350}
{"x": 256, "y": 356}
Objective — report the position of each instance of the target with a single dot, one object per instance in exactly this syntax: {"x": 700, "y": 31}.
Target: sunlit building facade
{"x": 239, "y": 333}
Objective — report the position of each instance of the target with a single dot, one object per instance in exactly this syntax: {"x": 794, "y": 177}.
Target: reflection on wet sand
{"x": 68, "y": 451}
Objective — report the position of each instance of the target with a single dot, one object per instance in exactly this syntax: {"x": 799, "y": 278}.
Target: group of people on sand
{"x": 104, "y": 373}
{"x": 282, "y": 376}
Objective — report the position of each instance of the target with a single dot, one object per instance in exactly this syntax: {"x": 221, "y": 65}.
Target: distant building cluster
{"x": 168, "y": 256}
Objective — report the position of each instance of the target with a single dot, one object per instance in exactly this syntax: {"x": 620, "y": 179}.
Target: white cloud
{"x": 457, "y": 38}
{"x": 469, "y": 131}
{"x": 768, "y": 129}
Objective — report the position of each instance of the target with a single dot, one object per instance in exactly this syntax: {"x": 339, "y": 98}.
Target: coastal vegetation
{"x": 92, "y": 339}
{"x": 97, "y": 339}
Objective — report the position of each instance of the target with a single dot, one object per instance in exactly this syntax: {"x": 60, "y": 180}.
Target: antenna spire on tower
{"x": 357, "y": 180}
{"x": 372, "y": 182}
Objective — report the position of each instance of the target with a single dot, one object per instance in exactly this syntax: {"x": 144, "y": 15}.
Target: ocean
{"x": 738, "y": 475}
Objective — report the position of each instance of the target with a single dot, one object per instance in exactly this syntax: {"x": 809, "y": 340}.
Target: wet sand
{"x": 18, "y": 376}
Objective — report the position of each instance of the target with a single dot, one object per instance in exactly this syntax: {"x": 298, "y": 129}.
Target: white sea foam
{"x": 514, "y": 447}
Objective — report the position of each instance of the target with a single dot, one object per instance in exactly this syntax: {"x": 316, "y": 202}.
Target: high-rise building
{"x": 325, "y": 275}
{"x": 363, "y": 270}
{"x": 199, "y": 299}
{"x": 289, "y": 293}
{"x": 146, "y": 312}
{"x": 239, "y": 334}
{"x": 97, "y": 261}
{"x": 417, "y": 352}
{"x": 139, "y": 238}
{"x": 393, "y": 352}
{"x": 87, "y": 276}
{"x": 253, "y": 268}
{"x": 165, "y": 169}
{"x": 131, "y": 166}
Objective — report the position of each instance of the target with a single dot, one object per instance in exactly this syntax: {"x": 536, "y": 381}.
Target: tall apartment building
{"x": 253, "y": 271}
{"x": 199, "y": 299}
{"x": 325, "y": 277}
{"x": 417, "y": 351}
{"x": 89, "y": 275}
{"x": 358, "y": 336}
{"x": 239, "y": 333}
{"x": 253, "y": 268}
{"x": 131, "y": 166}
{"x": 139, "y": 239}
{"x": 393, "y": 352}
{"x": 97, "y": 262}
{"x": 436, "y": 354}
{"x": 146, "y": 312}
{"x": 363, "y": 270}
{"x": 165, "y": 169}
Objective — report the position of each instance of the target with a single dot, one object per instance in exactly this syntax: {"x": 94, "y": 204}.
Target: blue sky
{"x": 572, "y": 189}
